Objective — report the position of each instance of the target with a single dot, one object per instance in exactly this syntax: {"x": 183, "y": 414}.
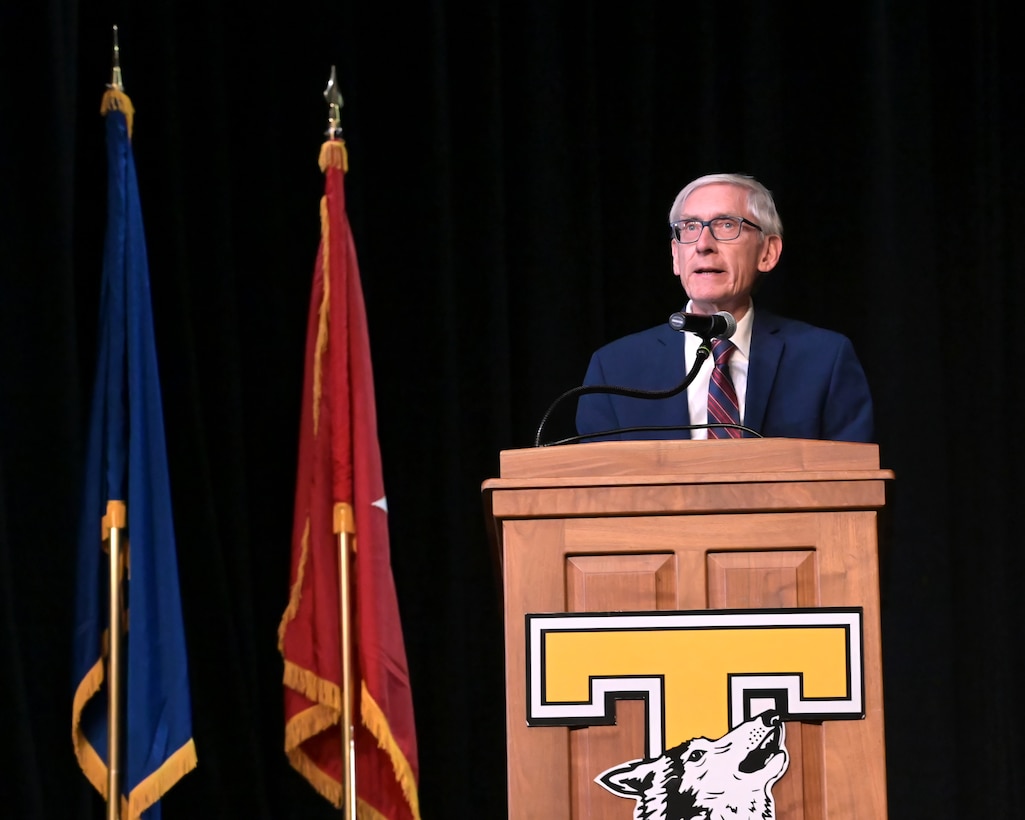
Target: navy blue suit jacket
{"x": 802, "y": 382}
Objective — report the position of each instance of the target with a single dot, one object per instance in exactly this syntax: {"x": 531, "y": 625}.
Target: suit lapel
{"x": 674, "y": 411}
{"x": 766, "y": 352}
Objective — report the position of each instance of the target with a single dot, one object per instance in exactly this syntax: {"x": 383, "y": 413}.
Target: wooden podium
{"x": 689, "y": 525}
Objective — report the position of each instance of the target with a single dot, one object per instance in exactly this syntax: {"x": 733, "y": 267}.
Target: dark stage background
{"x": 512, "y": 165}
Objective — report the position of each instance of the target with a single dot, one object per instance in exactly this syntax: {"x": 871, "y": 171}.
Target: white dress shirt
{"x": 697, "y": 391}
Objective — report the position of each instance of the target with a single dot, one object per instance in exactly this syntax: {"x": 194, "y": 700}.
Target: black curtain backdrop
{"x": 512, "y": 165}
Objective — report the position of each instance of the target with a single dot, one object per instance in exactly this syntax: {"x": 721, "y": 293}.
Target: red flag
{"x": 340, "y": 463}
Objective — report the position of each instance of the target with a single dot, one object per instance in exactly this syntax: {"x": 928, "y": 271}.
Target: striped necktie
{"x": 722, "y": 398}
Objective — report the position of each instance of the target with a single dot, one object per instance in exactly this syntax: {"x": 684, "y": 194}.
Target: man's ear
{"x": 772, "y": 248}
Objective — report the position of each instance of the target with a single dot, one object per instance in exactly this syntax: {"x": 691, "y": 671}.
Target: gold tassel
{"x": 333, "y": 154}
{"x": 116, "y": 100}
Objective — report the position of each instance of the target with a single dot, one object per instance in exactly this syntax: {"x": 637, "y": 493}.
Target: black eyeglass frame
{"x": 674, "y": 228}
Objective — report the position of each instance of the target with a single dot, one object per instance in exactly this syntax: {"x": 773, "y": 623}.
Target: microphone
{"x": 722, "y": 325}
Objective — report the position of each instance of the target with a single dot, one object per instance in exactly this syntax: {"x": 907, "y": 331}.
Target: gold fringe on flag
{"x": 377, "y": 723}
{"x": 296, "y": 593}
{"x": 152, "y": 788}
{"x": 93, "y": 766}
{"x": 325, "y": 310}
{"x": 325, "y": 785}
{"x": 148, "y": 791}
{"x": 308, "y": 723}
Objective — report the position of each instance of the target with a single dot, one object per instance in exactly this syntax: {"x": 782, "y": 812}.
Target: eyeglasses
{"x": 723, "y": 228}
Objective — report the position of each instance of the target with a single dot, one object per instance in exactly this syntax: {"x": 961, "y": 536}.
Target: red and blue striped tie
{"x": 723, "y": 407}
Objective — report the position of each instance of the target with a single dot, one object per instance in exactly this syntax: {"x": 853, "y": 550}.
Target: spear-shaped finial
{"x": 332, "y": 152}
{"x": 115, "y": 79}
{"x": 114, "y": 98}
{"x": 334, "y": 103}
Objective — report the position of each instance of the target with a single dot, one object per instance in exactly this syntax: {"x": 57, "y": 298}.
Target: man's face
{"x": 719, "y": 275}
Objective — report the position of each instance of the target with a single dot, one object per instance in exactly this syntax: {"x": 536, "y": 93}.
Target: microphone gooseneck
{"x": 721, "y": 325}
{"x": 703, "y": 353}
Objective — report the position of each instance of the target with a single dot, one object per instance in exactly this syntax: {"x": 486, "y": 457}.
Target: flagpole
{"x": 113, "y": 523}
{"x": 345, "y": 529}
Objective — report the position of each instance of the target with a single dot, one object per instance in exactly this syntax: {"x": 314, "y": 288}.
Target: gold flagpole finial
{"x": 334, "y": 104}
{"x": 114, "y": 98}
{"x": 115, "y": 79}
{"x": 332, "y": 152}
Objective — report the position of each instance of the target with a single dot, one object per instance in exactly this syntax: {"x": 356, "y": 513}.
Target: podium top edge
{"x": 685, "y": 456}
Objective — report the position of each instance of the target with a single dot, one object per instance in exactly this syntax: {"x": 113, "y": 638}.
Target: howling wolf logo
{"x": 701, "y": 779}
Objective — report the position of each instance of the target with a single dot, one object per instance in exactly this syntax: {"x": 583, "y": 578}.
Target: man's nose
{"x": 705, "y": 239}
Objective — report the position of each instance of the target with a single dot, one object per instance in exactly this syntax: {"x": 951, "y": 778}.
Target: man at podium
{"x": 760, "y": 374}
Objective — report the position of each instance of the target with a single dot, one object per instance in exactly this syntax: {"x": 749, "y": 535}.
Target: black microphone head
{"x": 719, "y": 325}
{"x": 731, "y": 325}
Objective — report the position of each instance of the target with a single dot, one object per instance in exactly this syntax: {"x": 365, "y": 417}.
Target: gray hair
{"x": 759, "y": 200}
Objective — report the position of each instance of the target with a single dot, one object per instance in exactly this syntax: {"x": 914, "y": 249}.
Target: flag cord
{"x": 344, "y": 527}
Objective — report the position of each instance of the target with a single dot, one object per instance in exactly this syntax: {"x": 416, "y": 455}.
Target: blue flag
{"x": 126, "y": 470}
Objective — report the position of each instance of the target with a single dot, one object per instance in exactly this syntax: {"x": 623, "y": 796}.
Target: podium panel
{"x": 688, "y": 525}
